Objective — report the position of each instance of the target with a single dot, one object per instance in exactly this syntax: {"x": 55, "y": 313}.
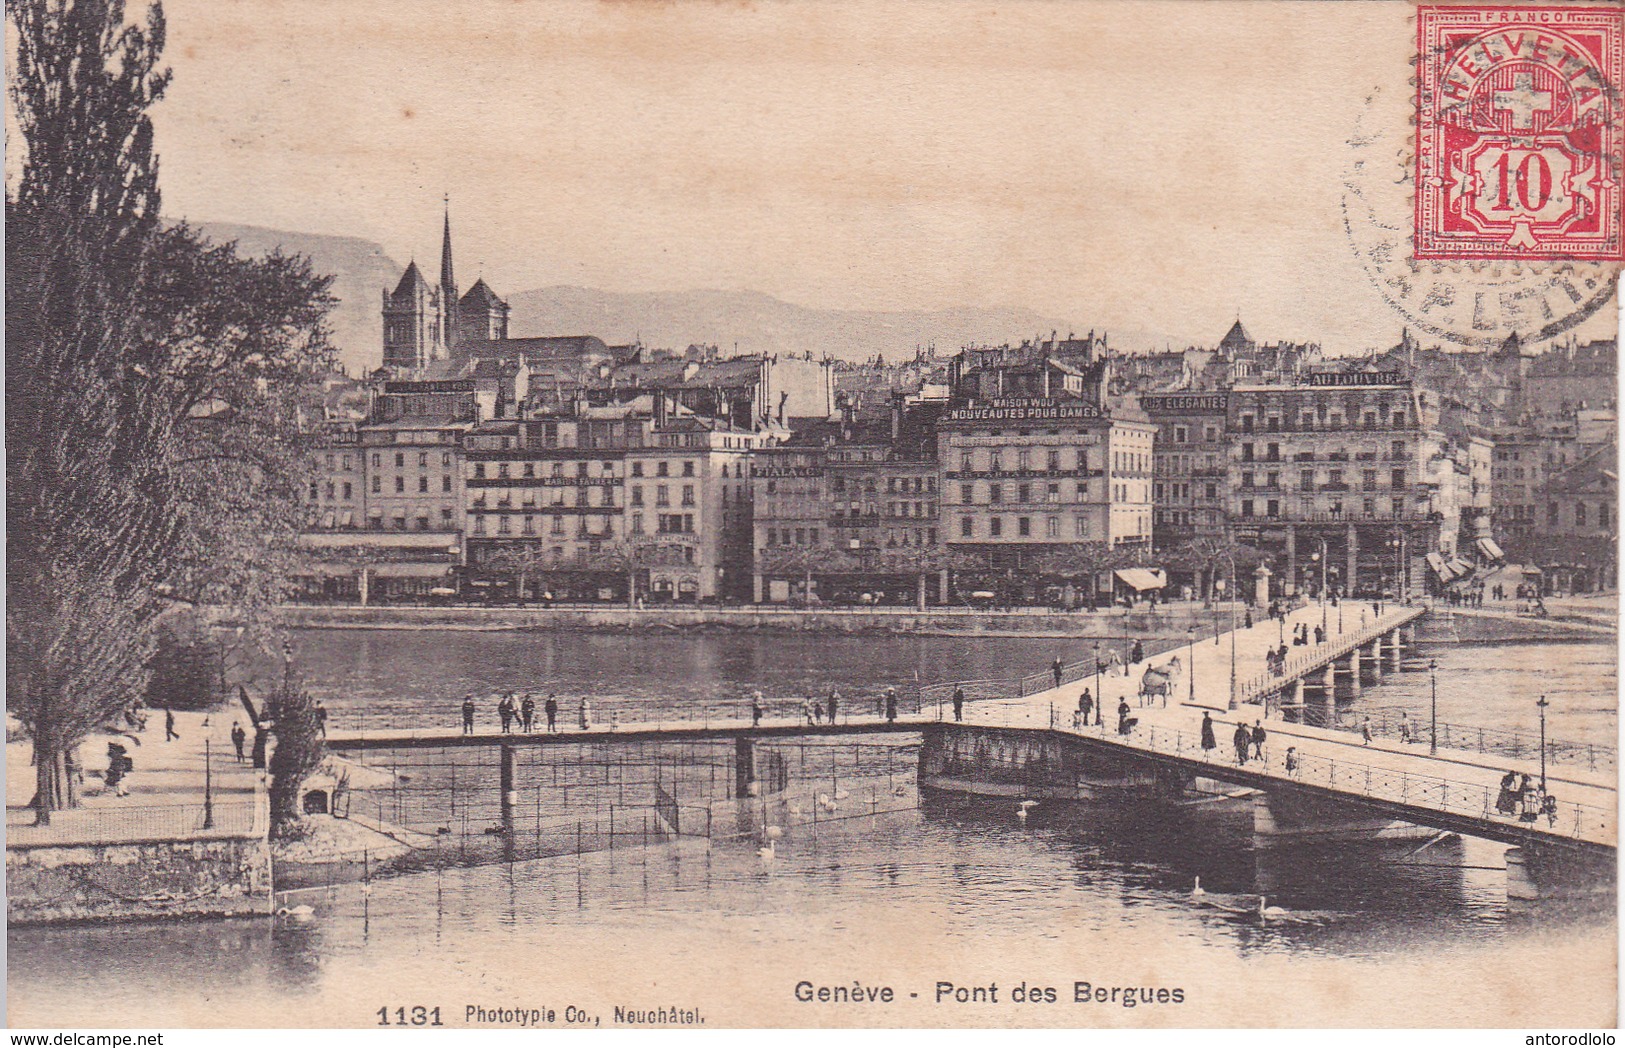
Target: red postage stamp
{"x": 1518, "y": 132}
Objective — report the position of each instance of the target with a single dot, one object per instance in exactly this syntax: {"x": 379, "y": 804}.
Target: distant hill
{"x": 361, "y": 271}
{"x": 668, "y": 319}
{"x": 762, "y": 323}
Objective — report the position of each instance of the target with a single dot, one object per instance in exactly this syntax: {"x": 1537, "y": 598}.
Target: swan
{"x": 296, "y": 911}
{"x": 1197, "y": 890}
{"x": 842, "y": 795}
{"x": 774, "y": 833}
{"x": 1267, "y": 912}
{"x": 1023, "y": 808}
{"x": 768, "y": 853}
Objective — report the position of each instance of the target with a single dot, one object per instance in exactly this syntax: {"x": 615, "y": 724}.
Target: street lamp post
{"x": 1433, "y": 708}
{"x": 1321, "y": 557}
{"x": 1542, "y": 704}
{"x": 1190, "y": 671}
{"x": 1100, "y": 700}
{"x": 208, "y": 787}
{"x": 1233, "y": 597}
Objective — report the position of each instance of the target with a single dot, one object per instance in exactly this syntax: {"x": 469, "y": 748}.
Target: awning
{"x": 327, "y": 521}
{"x": 1460, "y": 567}
{"x": 347, "y": 520}
{"x": 410, "y": 571}
{"x": 1141, "y": 578}
{"x": 1490, "y": 550}
{"x": 1440, "y": 568}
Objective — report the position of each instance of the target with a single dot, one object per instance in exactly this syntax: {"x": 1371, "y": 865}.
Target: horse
{"x": 1155, "y": 684}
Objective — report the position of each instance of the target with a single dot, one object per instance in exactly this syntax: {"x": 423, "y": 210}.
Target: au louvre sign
{"x": 1022, "y": 409}
{"x": 1356, "y": 378}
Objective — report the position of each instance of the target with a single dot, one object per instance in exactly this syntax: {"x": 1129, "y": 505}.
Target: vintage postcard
{"x": 565, "y": 515}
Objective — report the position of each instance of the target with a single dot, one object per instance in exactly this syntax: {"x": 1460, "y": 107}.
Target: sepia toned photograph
{"x": 547, "y": 514}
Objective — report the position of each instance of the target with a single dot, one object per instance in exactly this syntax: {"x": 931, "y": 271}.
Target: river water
{"x": 932, "y": 891}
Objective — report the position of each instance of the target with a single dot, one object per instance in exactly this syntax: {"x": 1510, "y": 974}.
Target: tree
{"x": 299, "y": 750}
{"x": 154, "y": 386}
{"x": 804, "y": 561}
{"x": 919, "y": 561}
{"x": 521, "y": 561}
{"x": 1206, "y": 555}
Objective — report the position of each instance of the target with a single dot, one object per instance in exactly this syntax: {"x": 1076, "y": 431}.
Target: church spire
{"x": 447, "y": 281}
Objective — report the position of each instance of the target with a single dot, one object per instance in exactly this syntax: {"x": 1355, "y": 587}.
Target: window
{"x": 581, "y": 469}
{"x": 637, "y": 523}
{"x": 1579, "y": 514}
{"x": 445, "y": 483}
{"x": 688, "y": 469}
{"x": 1024, "y": 526}
{"x": 400, "y": 485}
{"x": 1083, "y": 490}
{"x": 967, "y": 527}
{"x": 529, "y": 527}
{"x": 995, "y": 462}
{"x": 479, "y": 470}
{"x": 1054, "y": 460}
{"x": 400, "y": 459}
{"x": 1602, "y": 513}
{"x": 1272, "y": 481}
{"x": 995, "y": 493}
{"x": 1246, "y": 480}
{"x": 1053, "y": 493}
{"x": 637, "y": 469}
{"x": 995, "y": 527}
{"x": 1397, "y": 478}
{"x": 349, "y": 491}
{"x": 688, "y": 493}
{"x": 423, "y": 485}
{"x": 1024, "y": 459}
{"x": 445, "y": 460}
{"x": 1273, "y": 508}
{"x": 1246, "y": 453}
{"x": 1369, "y": 507}
{"x": 1181, "y": 434}
{"x": 502, "y": 470}
{"x": 662, "y": 469}
{"x": 1398, "y": 507}
{"x": 376, "y": 487}
{"x": 967, "y": 493}
{"x": 330, "y": 488}
{"x": 582, "y": 495}
{"x": 1368, "y": 478}
{"x": 1306, "y": 480}
{"x": 637, "y": 494}
{"x": 662, "y": 494}
{"x": 1024, "y": 492}
{"x": 479, "y": 525}
{"x": 1399, "y": 419}
{"x": 967, "y": 463}
{"x": 423, "y": 460}
{"x": 502, "y": 525}
{"x": 529, "y": 470}
{"x": 1246, "y": 507}
{"x": 1052, "y": 528}
{"x": 1081, "y": 525}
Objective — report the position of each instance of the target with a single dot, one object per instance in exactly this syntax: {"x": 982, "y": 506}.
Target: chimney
{"x": 896, "y": 415}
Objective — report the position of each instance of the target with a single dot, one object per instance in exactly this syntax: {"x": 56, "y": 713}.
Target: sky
{"x": 1154, "y": 166}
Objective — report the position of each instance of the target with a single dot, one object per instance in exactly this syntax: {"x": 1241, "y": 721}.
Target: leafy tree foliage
{"x": 154, "y": 387}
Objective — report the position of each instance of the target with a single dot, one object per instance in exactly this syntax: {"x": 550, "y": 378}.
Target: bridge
{"x": 1024, "y": 736}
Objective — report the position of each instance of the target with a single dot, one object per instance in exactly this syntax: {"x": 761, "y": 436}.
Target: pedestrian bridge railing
{"x": 1386, "y": 722}
{"x": 1568, "y": 820}
{"x": 114, "y": 823}
{"x": 1319, "y": 655}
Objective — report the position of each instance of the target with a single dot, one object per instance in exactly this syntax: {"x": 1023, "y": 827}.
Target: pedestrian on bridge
{"x": 1258, "y": 740}
{"x": 238, "y": 737}
{"x": 527, "y": 712}
{"x": 1243, "y": 739}
{"x": 1246, "y": 620}
{"x": 891, "y": 705}
{"x": 468, "y": 714}
{"x": 834, "y": 698}
{"x": 551, "y": 708}
{"x": 1404, "y": 728}
{"x": 1125, "y": 722}
{"x": 1055, "y": 668}
{"x": 586, "y": 713}
{"x": 1365, "y": 730}
{"x": 1086, "y": 705}
{"x": 169, "y": 726}
{"x": 1209, "y": 741}
{"x": 1136, "y": 654}
{"x": 807, "y": 709}
{"x": 1320, "y": 635}
{"x": 1292, "y": 761}
{"x": 505, "y": 712}
{"x": 755, "y": 709}
{"x": 959, "y": 703}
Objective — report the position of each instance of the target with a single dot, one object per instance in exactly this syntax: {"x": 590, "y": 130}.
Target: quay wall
{"x": 139, "y": 880}
{"x": 1165, "y": 620}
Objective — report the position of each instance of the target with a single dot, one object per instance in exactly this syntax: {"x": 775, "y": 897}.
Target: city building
{"x": 1345, "y": 475}
{"x": 1189, "y": 489}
